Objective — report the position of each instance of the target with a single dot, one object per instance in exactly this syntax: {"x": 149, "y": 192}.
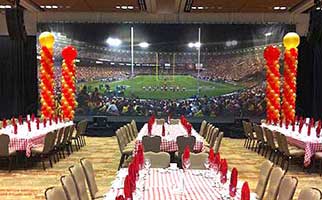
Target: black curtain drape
{"x": 18, "y": 77}
{"x": 309, "y": 77}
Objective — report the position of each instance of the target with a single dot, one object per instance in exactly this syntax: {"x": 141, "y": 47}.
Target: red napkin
{"x": 286, "y": 124}
{"x": 211, "y": 156}
{"x": 32, "y": 117}
{"x": 4, "y": 123}
{"x": 15, "y": 129}
{"x": 56, "y": 119}
{"x": 20, "y": 120}
{"x": 163, "y": 131}
{"x": 312, "y": 122}
{"x": 45, "y": 122}
{"x": 245, "y": 192}
{"x": 301, "y": 124}
{"x": 120, "y": 197}
{"x": 217, "y": 161}
{"x": 293, "y": 126}
{"x": 13, "y": 121}
{"x": 223, "y": 171}
{"x": 37, "y": 123}
{"x": 128, "y": 187}
{"x": 309, "y": 129}
{"x": 233, "y": 182}
{"x": 281, "y": 123}
{"x": 50, "y": 121}
{"x": 186, "y": 153}
{"x": 318, "y": 129}
{"x": 29, "y": 126}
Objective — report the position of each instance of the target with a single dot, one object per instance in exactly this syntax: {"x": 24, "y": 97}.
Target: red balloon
{"x": 69, "y": 53}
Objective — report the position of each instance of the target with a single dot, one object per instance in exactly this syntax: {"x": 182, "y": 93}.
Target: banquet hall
{"x": 160, "y": 100}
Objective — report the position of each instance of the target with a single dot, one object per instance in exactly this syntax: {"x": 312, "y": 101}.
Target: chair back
{"x": 59, "y": 136}
{"x": 218, "y": 142}
{"x": 279, "y": 142}
{"x": 259, "y": 132}
{"x": 120, "y": 140}
{"x": 131, "y": 134}
{"x": 158, "y": 160}
{"x": 246, "y": 128}
{"x": 183, "y": 141}
{"x": 310, "y": 194}
{"x": 151, "y": 143}
{"x": 49, "y": 142}
{"x": 55, "y": 193}
{"x": 160, "y": 121}
{"x": 287, "y": 188}
{"x": 250, "y": 128}
{"x": 4, "y": 145}
{"x": 66, "y": 134}
{"x": 79, "y": 179}
{"x": 69, "y": 187}
{"x": 284, "y": 144}
{"x": 174, "y": 121}
{"x": 208, "y": 133}
{"x": 70, "y": 134}
{"x": 270, "y": 138}
{"x": 90, "y": 176}
{"x": 265, "y": 171}
{"x": 274, "y": 182}
{"x": 203, "y": 128}
{"x": 126, "y": 134}
{"x": 83, "y": 127}
{"x": 213, "y": 137}
{"x": 135, "y": 128}
{"x": 197, "y": 160}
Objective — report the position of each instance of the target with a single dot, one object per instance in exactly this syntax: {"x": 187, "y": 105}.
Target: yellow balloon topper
{"x": 47, "y": 39}
{"x": 291, "y": 40}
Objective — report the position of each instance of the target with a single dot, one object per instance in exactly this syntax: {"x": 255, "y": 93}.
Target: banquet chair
{"x": 55, "y": 193}
{"x": 208, "y": 134}
{"x": 44, "y": 151}
{"x": 132, "y": 136}
{"x": 158, "y": 160}
{"x": 310, "y": 194}
{"x": 265, "y": 171}
{"x": 252, "y": 135}
{"x": 60, "y": 133}
{"x": 69, "y": 140}
{"x": 247, "y": 133}
{"x": 197, "y": 160}
{"x": 124, "y": 150}
{"x": 134, "y": 127}
{"x": 77, "y": 138}
{"x": 64, "y": 140}
{"x": 261, "y": 144}
{"x": 203, "y": 128}
{"x": 274, "y": 182}
{"x": 183, "y": 142}
{"x": 160, "y": 121}
{"x": 218, "y": 142}
{"x": 90, "y": 179}
{"x": 69, "y": 187}
{"x": 318, "y": 156}
{"x": 79, "y": 179}
{"x": 151, "y": 143}
{"x": 174, "y": 121}
{"x": 126, "y": 135}
{"x": 272, "y": 148}
{"x": 290, "y": 153}
{"x": 5, "y": 152}
{"x": 83, "y": 132}
{"x": 212, "y": 139}
{"x": 287, "y": 188}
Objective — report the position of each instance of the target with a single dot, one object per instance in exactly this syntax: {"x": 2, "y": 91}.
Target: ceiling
{"x": 162, "y": 6}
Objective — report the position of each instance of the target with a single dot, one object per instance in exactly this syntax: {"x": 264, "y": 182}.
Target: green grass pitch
{"x": 136, "y": 84}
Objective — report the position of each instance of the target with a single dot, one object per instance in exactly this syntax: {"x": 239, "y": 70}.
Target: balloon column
{"x": 68, "y": 102}
{"x": 271, "y": 55}
{"x": 290, "y": 41}
{"x": 46, "y": 41}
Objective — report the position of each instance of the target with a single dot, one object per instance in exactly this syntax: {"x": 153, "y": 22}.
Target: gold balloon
{"x": 291, "y": 40}
{"x": 47, "y": 39}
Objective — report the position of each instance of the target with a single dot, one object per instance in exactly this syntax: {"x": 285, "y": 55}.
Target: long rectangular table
{"x": 25, "y": 140}
{"x": 163, "y": 184}
{"x": 168, "y": 142}
{"x": 311, "y": 144}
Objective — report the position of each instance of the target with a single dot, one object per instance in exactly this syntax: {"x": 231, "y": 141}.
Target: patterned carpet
{"x": 103, "y": 152}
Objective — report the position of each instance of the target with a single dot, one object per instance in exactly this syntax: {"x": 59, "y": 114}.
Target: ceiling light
{"x": 283, "y": 8}
{"x": 42, "y": 6}
{"x": 193, "y": 7}
{"x": 200, "y": 7}
{"x": 55, "y": 7}
{"x": 114, "y": 42}
{"x": 124, "y": 7}
{"x": 2, "y": 7}
{"x": 276, "y": 8}
{"x": 318, "y": 8}
{"x": 144, "y": 45}
{"x": 49, "y": 7}
{"x": 190, "y": 45}
{"x": 130, "y": 7}
{"x": 118, "y": 7}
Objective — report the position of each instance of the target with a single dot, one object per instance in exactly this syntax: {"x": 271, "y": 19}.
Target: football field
{"x": 143, "y": 87}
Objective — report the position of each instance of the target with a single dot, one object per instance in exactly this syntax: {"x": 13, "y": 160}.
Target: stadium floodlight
{"x": 115, "y": 42}
{"x": 197, "y": 44}
{"x": 191, "y": 45}
{"x": 268, "y": 34}
{"x": 194, "y": 45}
{"x": 144, "y": 45}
